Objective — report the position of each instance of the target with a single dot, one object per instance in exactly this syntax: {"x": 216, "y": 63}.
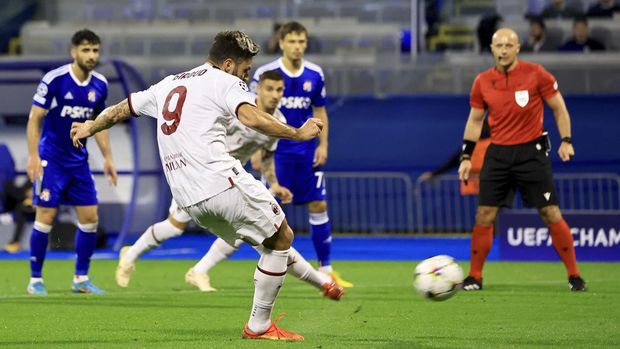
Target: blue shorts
{"x": 304, "y": 181}
{"x": 73, "y": 186}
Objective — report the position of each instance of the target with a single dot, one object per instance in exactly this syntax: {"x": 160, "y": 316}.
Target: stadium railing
{"x": 389, "y": 202}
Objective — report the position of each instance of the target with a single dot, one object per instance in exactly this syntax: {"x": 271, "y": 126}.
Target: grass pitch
{"x": 523, "y": 305}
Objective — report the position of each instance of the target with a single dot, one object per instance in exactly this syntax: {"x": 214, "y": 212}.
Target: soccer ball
{"x": 438, "y": 278}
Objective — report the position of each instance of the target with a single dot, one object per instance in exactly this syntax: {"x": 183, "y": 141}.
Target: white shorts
{"x": 178, "y": 214}
{"x": 246, "y": 211}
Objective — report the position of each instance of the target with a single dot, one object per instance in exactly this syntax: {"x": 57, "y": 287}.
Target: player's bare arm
{"x": 33, "y": 134}
{"x": 109, "y": 170}
{"x": 256, "y": 160}
{"x": 108, "y": 118}
{"x": 320, "y": 154}
{"x": 269, "y": 173}
{"x": 253, "y": 117}
{"x": 473, "y": 128}
{"x": 562, "y": 119}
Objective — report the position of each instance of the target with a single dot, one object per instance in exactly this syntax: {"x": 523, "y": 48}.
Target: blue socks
{"x": 321, "y": 237}
{"x": 85, "y": 242}
{"x": 38, "y": 247}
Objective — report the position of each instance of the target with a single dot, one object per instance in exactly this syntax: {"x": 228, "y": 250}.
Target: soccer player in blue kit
{"x": 71, "y": 93}
{"x": 298, "y": 164}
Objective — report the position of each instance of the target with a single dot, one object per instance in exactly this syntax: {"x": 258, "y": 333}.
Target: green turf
{"x": 524, "y": 305}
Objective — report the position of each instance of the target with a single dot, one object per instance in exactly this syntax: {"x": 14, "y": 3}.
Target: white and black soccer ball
{"x": 438, "y": 278}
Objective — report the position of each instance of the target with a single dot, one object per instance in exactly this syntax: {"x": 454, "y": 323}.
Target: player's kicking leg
{"x": 152, "y": 237}
{"x": 320, "y": 229}
{"x": 85, "y": 243}
{"x": 268, "y": 279}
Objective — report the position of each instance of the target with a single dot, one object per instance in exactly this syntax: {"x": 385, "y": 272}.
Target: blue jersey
{"x": 302, "y": 91}
{"x": 67, "y": 101}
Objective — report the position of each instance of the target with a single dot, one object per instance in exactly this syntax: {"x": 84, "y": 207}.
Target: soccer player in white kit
{"x": 194, "y": 110}
{"x": 242, "y": 143}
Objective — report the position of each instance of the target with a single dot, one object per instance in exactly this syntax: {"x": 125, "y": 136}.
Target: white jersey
{"x": 194, "y": 109}
{"x": 242, "y": 141}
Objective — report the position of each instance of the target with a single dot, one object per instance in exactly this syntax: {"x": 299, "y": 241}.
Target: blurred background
{"x": 398, "y": 74}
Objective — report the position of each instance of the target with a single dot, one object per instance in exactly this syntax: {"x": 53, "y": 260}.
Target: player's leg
{"x": 300, "y": 268}
{"x": 220, "y": 250}
{"x": 82, "y": 195}
{"x": 537, "y": 188}
{"x": 481, "y": 243}
{"x": 268, "y": 279}
{"x": 564, "y": 245}
{"x": 85, "y": 243}
{"x": 152, "y": 237}
{"x": 39, "y": 239}
{"x": 495, "y": 190}
{"x": 46, "y": 198}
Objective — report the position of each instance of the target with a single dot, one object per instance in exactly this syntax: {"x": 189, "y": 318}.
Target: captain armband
{"x": 467, "y": 149}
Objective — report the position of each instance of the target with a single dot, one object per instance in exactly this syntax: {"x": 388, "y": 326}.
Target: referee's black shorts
{"x": 524, "y": 167}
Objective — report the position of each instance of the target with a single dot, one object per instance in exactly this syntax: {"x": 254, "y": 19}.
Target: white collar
{"x": 288, "y": 72}
{"x": 76, "y": 80}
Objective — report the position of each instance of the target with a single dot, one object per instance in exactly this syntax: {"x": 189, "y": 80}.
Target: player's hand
{"x": 109, "y": 170}
{"x": 309, "y": 130}
{"x": 281, "y": 193}
{"x": 320, "y": 156}
{"x": 425, "y": 176}
{"x": 80, "y": 130}
{"x": 464, "y": 169}
{"x": 34, "y": 168}
{"x": 566, "y": 151}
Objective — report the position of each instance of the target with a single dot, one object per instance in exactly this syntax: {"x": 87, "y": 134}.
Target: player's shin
{"x": 268, "y": 279}
{"x": 563, "y": 243}
{"x": 152, "y": 237}
{"x": 481, "y": 242}
{"x": 85, "y": 243}
{"x": 299, "y": 267}
{"x": 38, "y": 247}
{"x": 320, "y": 230}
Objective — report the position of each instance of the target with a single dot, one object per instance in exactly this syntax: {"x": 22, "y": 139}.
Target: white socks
{"x": 151, "y": 238}
{"x": 268, "y": 279}
{"x": 219, "y": 251}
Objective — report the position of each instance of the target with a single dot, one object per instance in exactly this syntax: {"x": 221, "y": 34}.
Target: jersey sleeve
{"x": 475, "y": 95}
{"x": 45, "y": 94}
{"x": 143, "y": 103}
{"x": 236, "y": 95}
{"x": 547, "y": 83}
{"x": 271, "y": 144}
{"x": 320, "y": 95}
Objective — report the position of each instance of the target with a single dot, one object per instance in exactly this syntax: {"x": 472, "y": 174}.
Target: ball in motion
{"x": 438, "y": 278}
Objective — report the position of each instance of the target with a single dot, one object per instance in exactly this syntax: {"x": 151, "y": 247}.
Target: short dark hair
{"x": 580, "y": 19}
{"x": 292, "y": 27}
{"x": 271, "y": 75}
{"x": 85, "y": 35}
{"x": 233, "y": 44}
{"x": 538, "y": 20}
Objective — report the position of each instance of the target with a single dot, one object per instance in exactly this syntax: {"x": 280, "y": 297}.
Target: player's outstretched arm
{"x": 264, "y": 123}
{"x": 562, "y": 119}
{"x": 108, "y": 118}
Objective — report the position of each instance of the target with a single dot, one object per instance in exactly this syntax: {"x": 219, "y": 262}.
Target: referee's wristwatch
{"x": 568, "y": 140}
